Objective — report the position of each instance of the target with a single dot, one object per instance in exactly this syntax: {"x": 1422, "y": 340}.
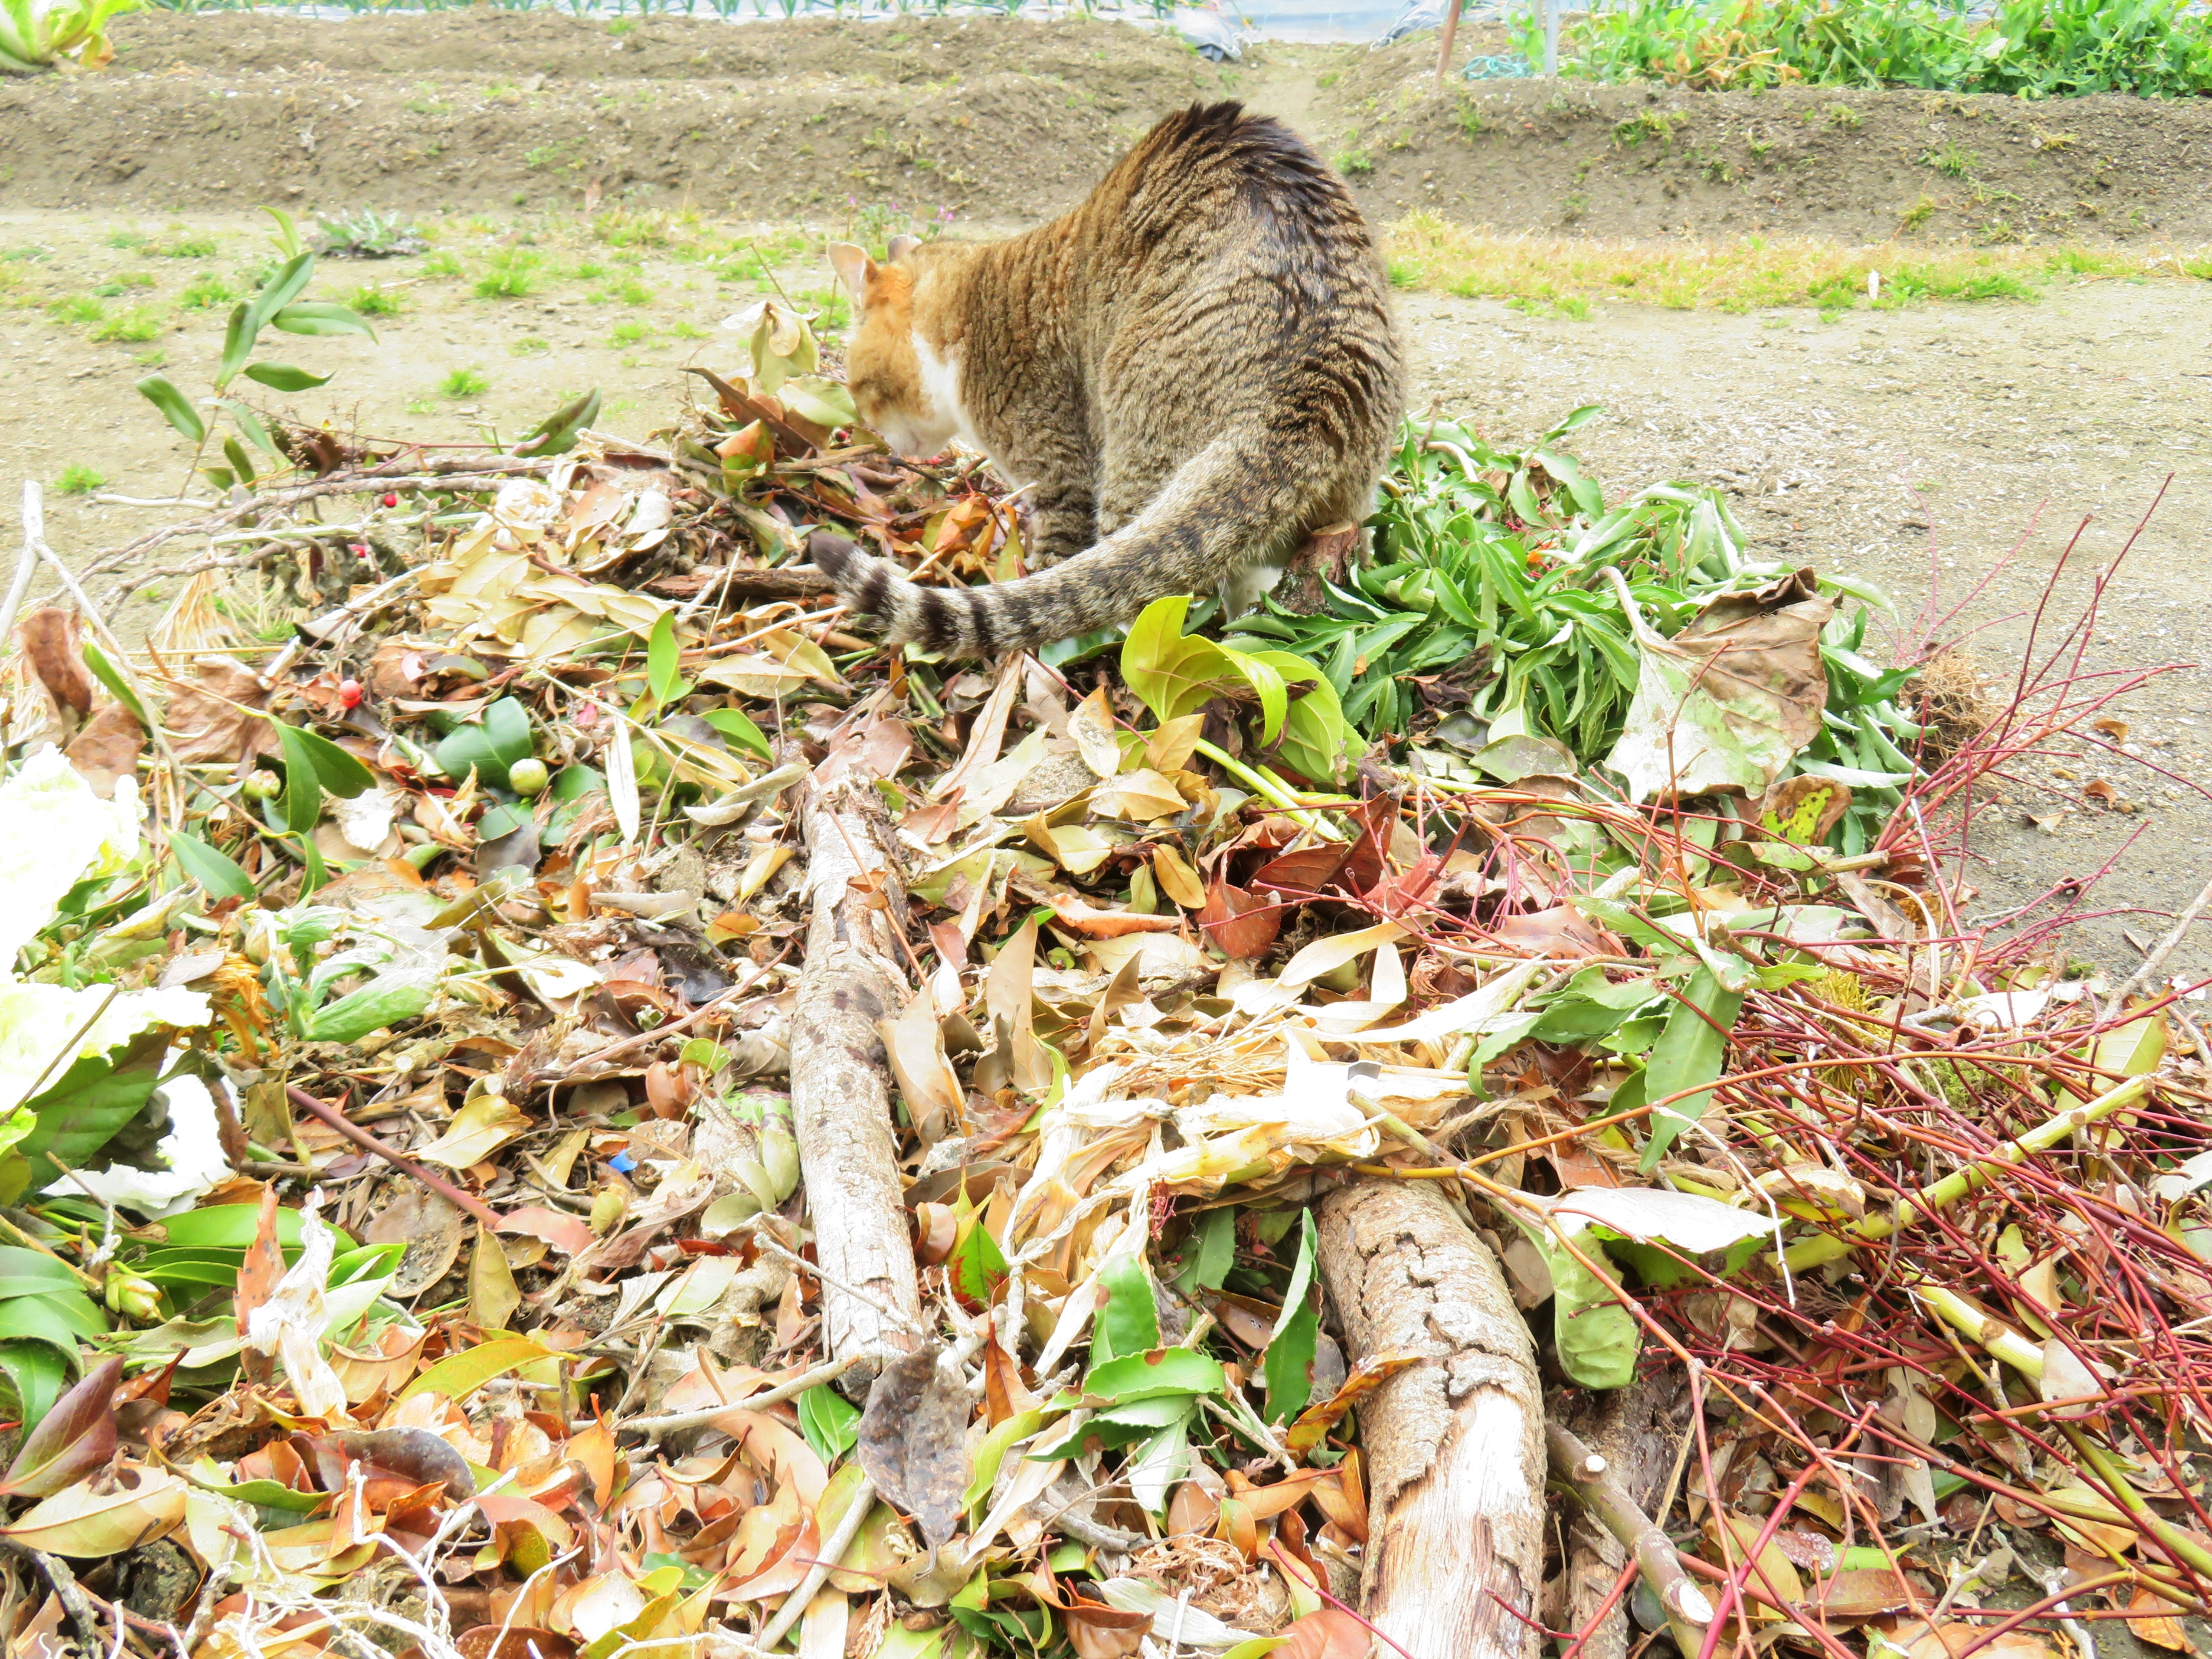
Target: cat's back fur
{"x": 1188, "y": 372}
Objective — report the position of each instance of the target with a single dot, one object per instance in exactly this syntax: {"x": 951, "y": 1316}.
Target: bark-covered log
{"x": 1455, "y": 1447}
{"x": 840, "y": 1075}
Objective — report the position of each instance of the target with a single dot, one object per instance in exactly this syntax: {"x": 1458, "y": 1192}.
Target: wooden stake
{"x": 1452, "y": 29}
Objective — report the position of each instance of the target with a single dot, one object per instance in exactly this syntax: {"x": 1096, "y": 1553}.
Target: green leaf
{"x": 460, "y": 1374}
{"x": 1129, "y": 1322}
{"x": 82, "y": 1110}
{"x": 664, "y": 659}
{"x": 830, "y": 1423}
{"x": 557, "y": 433}
{"x": 231, "y": 1227}
{"x": 209, "y": 866}
{"x": 286, "y": 234}
{"x": 237, "y": 343}
{"x": 60, "y": 1316}
{"x": 491, "y": 745}
{"x": 256, "y": 433}
{"x": 733, "y": 724}
{"x": 175, "y": 407}
{"x": 283, "y": 377}
{"x": 976, "y": 1265}
{"x": 337, "y": 771}
{"x": 1287, "y": 1364}
{"x": 278, "y": 292}
{"x": 320, "y": 317}
{"x": 1690, "y": 1052}
{"x": 121, "y": 689}
{"x": 1147, "y": 1376}
{"x": 33, "y": 1272}
{"x": 1171, "y": 674}
{"x": 992, "y": 1451}
{"x": 241, "y": 464}
{"x": 1595, "y": 1338}
{"x": 1210, "y": 1253}
{"x": 369, "y": 1009}
{"x": 303, "y": 792}
{"x": 38, "y": 1372}
{"x": 207, "y": 1475}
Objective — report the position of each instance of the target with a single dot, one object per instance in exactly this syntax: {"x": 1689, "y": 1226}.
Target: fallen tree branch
{"x": 1455, "y": 1447}
{"x": 840, "y": 1104}
{"x": 394, "y": 1157}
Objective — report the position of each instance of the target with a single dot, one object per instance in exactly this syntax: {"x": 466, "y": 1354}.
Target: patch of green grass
{"x": 79, "y": 308}
{"x": 125, "y": 238}
{"x": 631, "y": 334}
{"x": 688, "y": 331}
{"x": 124, "y": 280}
{"x": 1917, "y": 214}
{"x": 589, "y": 271}
{"x": 1353, "y": 163}
{"x": 133, "y": 327}
{"x": 2200, "y": 269}
{"x": 185, "y": 248}
{"x": 1403, "y": 273}
{"x": 18, "y": 253}
{"x": 465, "y": 383}
{"x": 831, "y": 308}
{"x": 375, "y": 302}
{"x": 632, "y": 292}
{"x": 78, "y": 479}
{"x": 420, "y": 407}
{"x": 443, "y": 263}
{"x": 509, "y": 274}
{"x": 154, "y": 359}
{"x": 206, "y": 291}
{"x": 531, "y": 347}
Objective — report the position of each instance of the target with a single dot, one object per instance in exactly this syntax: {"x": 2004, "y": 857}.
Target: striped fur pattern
{"x": 1189, "y": 373}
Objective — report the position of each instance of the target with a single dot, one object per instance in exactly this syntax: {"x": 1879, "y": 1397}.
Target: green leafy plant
{"x": 78, "y": 479}
{"x": 206, "y": 291}
{"x": 134, "y": 327}
{"x": 375, "y": 302}
{"x": 34, "y": 38}
{"x": 464, "y": 383}
{"x": 365, "y": 233}
{"x": 509, "y": 274}
{"x": 276, "y": 304}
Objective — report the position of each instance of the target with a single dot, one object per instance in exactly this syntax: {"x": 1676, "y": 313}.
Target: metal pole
{"x": 1551, "y": 40}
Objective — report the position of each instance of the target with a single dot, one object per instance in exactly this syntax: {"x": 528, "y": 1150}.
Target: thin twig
{"x": 848, "y": 1528}
{"x": 828, "y": 1371}
{"x": 399, "y": 1160}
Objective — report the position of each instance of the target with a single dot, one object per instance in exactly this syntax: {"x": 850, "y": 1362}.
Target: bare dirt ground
{"x": 1896, "y": 445}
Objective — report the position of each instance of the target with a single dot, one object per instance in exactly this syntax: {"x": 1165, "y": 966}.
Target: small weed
{"x": 1951, "y": 161}
{"x": 79, "y": 308}
{"x": 530, "y": 346}
{"x": 1572, "y": 209}
{"x": 376, "y": 301}
{"x": 1353, "y": 163}
{"x": 134, "y": 327}
{"x": 365, "y": 233}
{"x": 1917, "y": 214}
{"x": 1843, "y": 116}
{"x": 631, "y": 334}
{"x": 441, "y": 263}
{"x": 2053, "y": 141}
{"x": 1470, "y": 120}
{"x": 632, "y": 292}
{"x": 2200, "y": 269}
{"x": 689, "y": 331}
{"x": 78, "y": 479}
{"x": 125, "y": 238}
{"x": 420, "y": 407}
{"x": 185, "y": 248}
{"x": 154, "y": 359}
{"x": 511, "y": 273}
{"x": 465, "y": 383}
{"x": 1403, "y": 273}
{"x": 589, "y": 271}
{"x": 206, "y": 291}
{"x": 1329, "y": 79}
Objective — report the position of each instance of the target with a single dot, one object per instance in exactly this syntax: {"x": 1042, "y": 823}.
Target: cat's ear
{"x": 903, "y": 246}
{"x": 853, "y": 268}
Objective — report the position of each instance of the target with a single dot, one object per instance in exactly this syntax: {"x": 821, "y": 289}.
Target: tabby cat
{"x": 1188, "y": 372}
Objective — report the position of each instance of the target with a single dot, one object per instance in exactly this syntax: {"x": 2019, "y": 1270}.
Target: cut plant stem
{"x": 1833, "y": 1247}
{"x": 1687, "y": 1608}
{"x": 1271, "y": 789}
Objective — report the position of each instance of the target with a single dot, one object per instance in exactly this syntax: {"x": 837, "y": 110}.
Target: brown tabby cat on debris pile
{"x": 1190, "y": 371}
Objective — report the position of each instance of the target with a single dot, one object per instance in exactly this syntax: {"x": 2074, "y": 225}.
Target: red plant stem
{"x": 398, "y": 1159}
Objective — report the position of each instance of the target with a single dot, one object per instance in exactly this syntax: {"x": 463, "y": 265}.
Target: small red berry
{"x": 391, "y": 499}
{"x": 359, "y": 550}
{"x": 349, "y": 693}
